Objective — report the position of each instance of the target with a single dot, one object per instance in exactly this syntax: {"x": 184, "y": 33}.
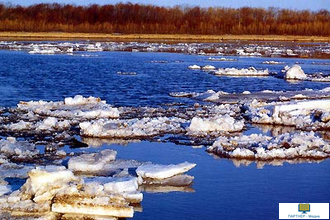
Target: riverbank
{"x": 21, "y": 36}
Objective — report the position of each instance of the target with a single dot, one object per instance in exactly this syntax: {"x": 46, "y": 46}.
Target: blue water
{"x": 25, "y": 77}
{"x": 222, "y": 191}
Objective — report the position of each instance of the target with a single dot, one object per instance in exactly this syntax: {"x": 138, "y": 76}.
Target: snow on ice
{"x": 131, "y": 128}
{"x": 305, "y": 115}
{"x": 224, "y": 123}
{"x": 260, "y": 147}
{"x": 240, "y": 72}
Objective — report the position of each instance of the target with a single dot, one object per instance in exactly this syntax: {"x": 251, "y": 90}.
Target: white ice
{"x": 91, "y": 162}
{"x": 156, "y": 171}
{"x": 284, "y": 146}
{"x": 294, "y": 113}
{"x": 194, "y": 67}
{"x": 294, "y": 73}
{"x": 131, "y": 128}
{"x": 241, "y": 72}
{"x": 217, "y": 123}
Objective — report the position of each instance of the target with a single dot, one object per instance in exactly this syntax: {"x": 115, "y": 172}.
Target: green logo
{"x": 304, "y": 208}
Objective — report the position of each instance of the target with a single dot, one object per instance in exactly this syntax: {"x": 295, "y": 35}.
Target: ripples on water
{"x": 53, "y": 77}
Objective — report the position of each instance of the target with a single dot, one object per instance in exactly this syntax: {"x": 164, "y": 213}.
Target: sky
{"x": 313, "y": 5}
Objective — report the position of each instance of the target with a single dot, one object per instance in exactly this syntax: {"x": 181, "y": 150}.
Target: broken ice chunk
{"x": 115, "y": 185}
{"x": 156, "y": 171}
{"x": 143, "y": 127}
{"x": 11, "y": 148}
{"x": 103, "y": 206}
{"x": 194, "y": 67}
{"x": 80, "y": 100}
{"x": 241, "y": 72}
{"x": 177, "y": 180}
{"x": 91, "y": 162}
{"x": 70, "y": 216}
{"x": 217, "y": 123}
{"x": 42, "y": 185}
{"x": 284, "y": 146}
{"x": 294, "y": 73}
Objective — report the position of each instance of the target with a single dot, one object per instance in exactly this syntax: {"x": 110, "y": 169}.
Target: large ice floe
{"x": 297, "y": 73}
{"x": 131, "y": 128}
{"x": 224, "y": 123}
{"x": 77, "y": 107}
{"x": 84, "y": 188}
{"x": 240, "y": 72}
{"x": 261, "y": 147}
{"x": 304, "y": 115}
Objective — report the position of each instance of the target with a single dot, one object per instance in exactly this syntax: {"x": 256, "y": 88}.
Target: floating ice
{"x": 77, "y": 107}
{"x": 91, "y": 162}
{"x": 260, "y": 147}
{"x": 241, "y": 72}
{"x": 294, "y": 73}
{"x": 131, "y": 128}
{"x": 19, "y": 150}
{"x": 272, "y": 62}
{"x": 177, "y": 180}
{"x": 310, "y": 115}
{"x": 217, "y": 123}
{"x": 221, "y": 59}
{"x": 126, "y": 73}
{"x": 208, "y": 67}
{"x": 194, "y": 67}
{"x": 101, "y": 206}
{"x": 163, "y": 171}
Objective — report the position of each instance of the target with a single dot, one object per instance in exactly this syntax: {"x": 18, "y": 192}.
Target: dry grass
{"x": 154, "y": 37}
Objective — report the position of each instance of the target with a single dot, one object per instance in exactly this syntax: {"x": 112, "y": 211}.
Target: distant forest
{"x": 147, "y": 19}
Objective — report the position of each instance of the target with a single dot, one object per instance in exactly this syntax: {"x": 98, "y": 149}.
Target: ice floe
{"x": 305, "y": 115}
{"x": 77, "y": 107}
{"x": 91, "y": 162}
{"x": 131, "y": 128}
{"x": 218, "y": 123}
{"x": 208, "y": 67}
{"x": 272, "y": 62}
{"x": 241, "y": 72}
{"x": 194, "y": 67}
{"x": 297, "y": 73}
{"x": 11, "y": 149}
{"x": 221, "y": 59}
{"x": 260, "y": 147}
{"x": 163, "y": 171}
{"x": 294, "y": 73}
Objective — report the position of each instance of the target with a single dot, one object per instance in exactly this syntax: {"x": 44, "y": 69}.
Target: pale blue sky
{"x": 291, "y": 4}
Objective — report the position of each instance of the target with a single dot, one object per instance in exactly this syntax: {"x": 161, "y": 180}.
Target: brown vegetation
{"x": 146, "y": 19}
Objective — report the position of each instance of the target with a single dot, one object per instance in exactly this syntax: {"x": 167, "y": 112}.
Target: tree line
{"x": 131, "y": 18}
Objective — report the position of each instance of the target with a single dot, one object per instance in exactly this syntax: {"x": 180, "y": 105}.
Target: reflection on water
{"x": 38, "y": 77}
{"x": 165, "y": 189}
{"x": 276, "y": 162}
{"x": 97, "y": 142}
{"x": 274, "y": 130}
{"x": 221, "y": 189}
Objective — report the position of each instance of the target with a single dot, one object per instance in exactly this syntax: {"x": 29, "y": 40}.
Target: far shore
{"x": 37, "y": 36}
